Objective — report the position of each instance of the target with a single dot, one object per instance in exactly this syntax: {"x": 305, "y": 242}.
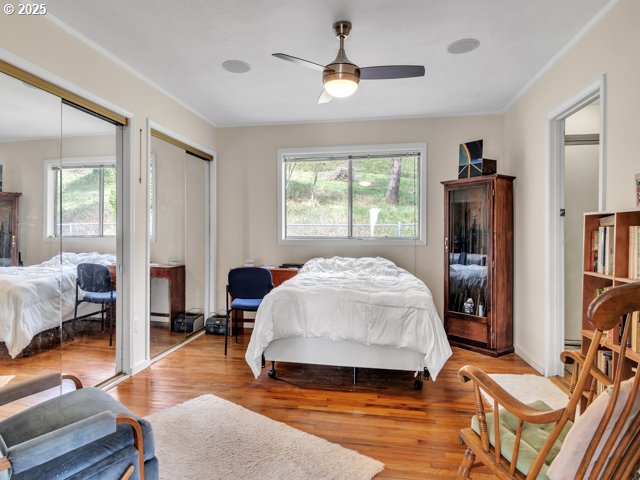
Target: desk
{"x": 281, "y": 275}
{"x": 175, "y": 274}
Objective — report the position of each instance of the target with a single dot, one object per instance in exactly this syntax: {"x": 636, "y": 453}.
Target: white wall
{"x": 608, "y": 48}
{"x": 43, "y": 47}
{"x": 247, "y": 205}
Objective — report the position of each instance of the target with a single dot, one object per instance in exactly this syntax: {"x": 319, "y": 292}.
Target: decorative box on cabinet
{"x": 9, "y": 228}
{"x": 478, "y": 247}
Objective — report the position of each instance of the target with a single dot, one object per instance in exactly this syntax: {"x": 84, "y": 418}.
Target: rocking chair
{"x": 533, "y": 441}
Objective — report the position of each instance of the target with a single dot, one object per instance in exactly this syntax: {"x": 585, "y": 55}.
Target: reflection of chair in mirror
{"x": 95, "y": 281}
{"x": 247, "y": 286}
{"x": 85, "y": 433}
{"x": 534, "y": 441}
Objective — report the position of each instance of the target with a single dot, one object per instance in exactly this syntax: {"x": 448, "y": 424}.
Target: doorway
{"x": 575, "y": 184}
{"x": 581, "y": 185}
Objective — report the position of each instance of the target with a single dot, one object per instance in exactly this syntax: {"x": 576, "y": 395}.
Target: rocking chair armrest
{"x": 574, "y": 356}
{"x": 504, "y": 398}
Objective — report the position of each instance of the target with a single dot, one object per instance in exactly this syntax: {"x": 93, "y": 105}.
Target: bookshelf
{"x": 615, "y": 270}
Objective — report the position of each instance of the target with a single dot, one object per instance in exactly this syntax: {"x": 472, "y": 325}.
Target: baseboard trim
{"x": 522, "y": 353}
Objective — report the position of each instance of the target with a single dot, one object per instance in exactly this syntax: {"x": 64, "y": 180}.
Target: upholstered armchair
{"x": 535, "y": 442}
{"x": 85, "y": 433}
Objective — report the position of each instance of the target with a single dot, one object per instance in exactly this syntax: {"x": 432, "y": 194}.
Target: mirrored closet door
{"x": 30, "y": 275}
{"x": 59, "y": 190}
{"x": 85, "y": 194}
{"x": 178, "y": 226}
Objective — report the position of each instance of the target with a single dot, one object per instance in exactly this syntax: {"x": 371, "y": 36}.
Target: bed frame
{"x": 322, "y": 351}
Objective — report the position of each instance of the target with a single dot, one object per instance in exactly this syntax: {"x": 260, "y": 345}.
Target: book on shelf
{"x": 601, "y": 250}
{"x": 604, "y": 363}
{"x": 608, "y": 221}
{"x": 606, "y": 242}
{"x": 634, "y": 252}
{"x": 635, "y": 332}
{"x": 610, "y": 251}
{"x": 595, "y": 241}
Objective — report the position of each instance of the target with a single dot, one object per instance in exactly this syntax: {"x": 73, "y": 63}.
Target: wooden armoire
{"x": 478, "y": 263}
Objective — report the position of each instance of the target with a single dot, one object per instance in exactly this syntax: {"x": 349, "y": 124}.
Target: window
{"x": 81, "y": 198}
{"x": 349, "y": 194}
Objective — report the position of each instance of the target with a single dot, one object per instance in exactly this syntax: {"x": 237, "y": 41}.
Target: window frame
{"x": 50, "y": 203}
{"x": 381, "y": 149}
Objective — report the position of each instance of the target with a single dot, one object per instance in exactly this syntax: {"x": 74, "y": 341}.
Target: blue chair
{"x": 85, "y": 433}
{"x": 246, "y": 287}
{"x": 95, "y": 281}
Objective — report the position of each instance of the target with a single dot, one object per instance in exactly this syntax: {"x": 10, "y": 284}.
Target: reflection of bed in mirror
{"x": 467, "y": 278}
{"x": 34, "y": 298}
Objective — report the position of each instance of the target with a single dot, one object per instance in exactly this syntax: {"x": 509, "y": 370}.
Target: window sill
{"x": 355, "y": 242}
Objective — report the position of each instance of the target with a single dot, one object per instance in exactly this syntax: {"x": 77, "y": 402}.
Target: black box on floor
{"x": 188, "y": 322}
{"x": 215, "y": 324}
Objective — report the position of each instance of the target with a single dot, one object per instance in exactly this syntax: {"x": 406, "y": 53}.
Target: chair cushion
{"x": 568, "y": 460}
{"x": 99, "y": 297}
{"x": 533, "y": 438}
{"x": 65, "y": 410}
{"x": 249, "y": 304}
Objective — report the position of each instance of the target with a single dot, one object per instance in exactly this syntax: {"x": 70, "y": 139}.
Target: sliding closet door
{"x": 196, "y": 238}
{"x": 85, "y": 221}
{"x": 167, "y": 268}
{"x": 31, "y": 277}
{"x": 178, "y": 229}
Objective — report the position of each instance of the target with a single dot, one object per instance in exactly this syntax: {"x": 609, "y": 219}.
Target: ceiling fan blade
{"x": 299, "y": 61}
{"x": 385, "y": 72}
{"x": 324, "y": 97}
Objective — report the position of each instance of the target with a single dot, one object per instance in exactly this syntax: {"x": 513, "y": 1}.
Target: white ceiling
{"x": 181, "y": 45}
{"x": 28, "y": 113}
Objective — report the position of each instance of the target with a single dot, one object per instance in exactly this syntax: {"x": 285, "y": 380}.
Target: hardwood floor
{"x": 88, "y": 356}
{"x": 162, "y": 338}
{"x": 413, "y": 432}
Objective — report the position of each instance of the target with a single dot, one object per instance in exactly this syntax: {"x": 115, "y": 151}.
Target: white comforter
{"x": 38, "y": 297}
{"x": 365, "y": 300}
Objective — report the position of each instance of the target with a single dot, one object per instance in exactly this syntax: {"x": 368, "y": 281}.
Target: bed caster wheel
{"x": 272, "y": 371}
{"x": 417, "y": 384}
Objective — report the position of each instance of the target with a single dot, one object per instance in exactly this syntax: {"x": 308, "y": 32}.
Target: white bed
{"x": 363, "y": 312}
{"x": 35, "y": 298}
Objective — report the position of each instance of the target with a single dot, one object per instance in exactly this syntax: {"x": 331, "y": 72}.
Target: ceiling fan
{"x": 341, "y": 76}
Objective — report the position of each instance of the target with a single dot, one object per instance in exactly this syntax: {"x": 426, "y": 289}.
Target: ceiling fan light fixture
{"x": 341, "y": 79}
{"x": 341, "y": 87}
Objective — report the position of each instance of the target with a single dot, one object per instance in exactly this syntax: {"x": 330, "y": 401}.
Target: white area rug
{"x": 529, "y": 388}
{"x": 4, "y": 379}
{"x": 211, "y": 438}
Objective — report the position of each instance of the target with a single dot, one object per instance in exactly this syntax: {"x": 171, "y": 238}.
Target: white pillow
{"x": 566, "y": 463}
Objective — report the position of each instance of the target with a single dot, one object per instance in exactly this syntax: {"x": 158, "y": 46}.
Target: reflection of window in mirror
{"x": 80, "y": 197}
{"x": 152, "y": 197}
